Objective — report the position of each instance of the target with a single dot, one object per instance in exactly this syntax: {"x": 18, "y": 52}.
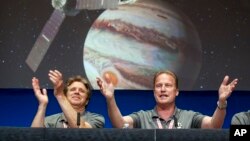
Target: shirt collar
{"x": 63, "y": 118}
{"x": 155, "y": 114}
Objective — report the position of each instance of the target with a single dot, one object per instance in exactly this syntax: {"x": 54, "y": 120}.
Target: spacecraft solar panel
{"x": 96, "y": 4}
{"x": 44, "y": 40}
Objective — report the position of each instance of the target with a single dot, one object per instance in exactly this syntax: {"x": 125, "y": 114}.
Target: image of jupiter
{"x": 134, "y": 41}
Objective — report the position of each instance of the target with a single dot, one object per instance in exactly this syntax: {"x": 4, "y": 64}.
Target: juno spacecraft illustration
{"x": 63, "y": 8}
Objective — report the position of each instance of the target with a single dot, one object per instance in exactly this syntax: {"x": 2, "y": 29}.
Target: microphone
{"x": 175, "y": 122}
{"x": 78, "y": 122}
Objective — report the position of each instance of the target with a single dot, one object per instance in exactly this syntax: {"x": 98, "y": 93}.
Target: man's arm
{"x": 118, "y": 121}
{"x": 225, "y": 90}
{"x": 107, "y": 89}
{"x": 42, "y": 97}
{"x": 71, "y": 114}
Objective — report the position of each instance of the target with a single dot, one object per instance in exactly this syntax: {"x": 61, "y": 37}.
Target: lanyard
{"x": 171, "y": 124}
{"x": 65, "y": 125}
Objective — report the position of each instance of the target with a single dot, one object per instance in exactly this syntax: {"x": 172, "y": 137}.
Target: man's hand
{"x": 106, "y": 87}
{"x": 56, "y": 78}
{"x": 226, "y": 89}
{"x": 40, "y": 95}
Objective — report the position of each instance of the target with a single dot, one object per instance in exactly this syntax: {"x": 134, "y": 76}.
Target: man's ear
{"x": 177, "y": 93}
{"x": 87, "y": 102}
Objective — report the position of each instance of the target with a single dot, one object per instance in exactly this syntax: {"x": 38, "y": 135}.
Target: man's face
{"x": 77, "y": 94}
{"x": 165, "y": 89}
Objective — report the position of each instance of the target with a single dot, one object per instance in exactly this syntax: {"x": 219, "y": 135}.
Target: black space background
{"x": 223, "y": 27}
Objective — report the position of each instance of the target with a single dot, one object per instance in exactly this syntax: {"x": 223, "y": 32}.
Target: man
{"x": 241, "y": 118}
{"x": 166, "y": 114}
{"x": 73, "y": 99}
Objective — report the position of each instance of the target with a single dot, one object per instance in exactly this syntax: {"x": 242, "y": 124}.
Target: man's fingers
{"x": 99, "y": 82}
{"x": 52, "y": 80}
{"x": 44, "y": 92}
{"x": 107, "y": 78}
{"x": 225, "y": 80}
{"x": 58, "y": 73}
{"x": 35, "y": 83}
{"x": 233, "y": 83}
{"x": 55, "y": 76}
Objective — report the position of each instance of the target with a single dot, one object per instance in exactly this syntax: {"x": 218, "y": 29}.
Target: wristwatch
{"x": 222, "y": 106}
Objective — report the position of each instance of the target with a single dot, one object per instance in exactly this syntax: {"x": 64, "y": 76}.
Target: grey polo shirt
{"x": 183, "y": 119}
{"x": 242, "y": 118}
{"x": 58, "y": 120}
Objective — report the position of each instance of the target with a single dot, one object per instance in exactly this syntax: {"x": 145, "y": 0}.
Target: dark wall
{"x": 18, "y": 106}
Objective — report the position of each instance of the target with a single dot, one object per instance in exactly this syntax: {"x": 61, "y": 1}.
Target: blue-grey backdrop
{"x": 18, "y": 106}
